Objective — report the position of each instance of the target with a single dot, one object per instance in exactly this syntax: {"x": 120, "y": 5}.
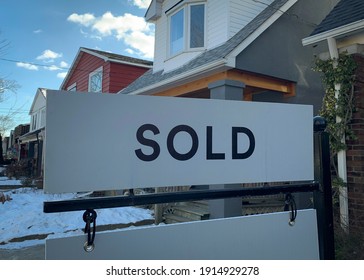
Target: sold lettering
{"x": 210, "y": 155}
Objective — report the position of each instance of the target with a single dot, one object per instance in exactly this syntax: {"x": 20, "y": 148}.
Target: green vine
{"x": 338, "y": 76}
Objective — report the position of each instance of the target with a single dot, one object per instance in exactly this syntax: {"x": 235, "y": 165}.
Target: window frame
{"x": 186, "y": 7}
{"x": 72, "y": 87}
{"x": 91, "y": 75}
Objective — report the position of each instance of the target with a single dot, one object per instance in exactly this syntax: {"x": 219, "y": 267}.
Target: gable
{"x": 79, "y": 73}
{"x": 39, "y": 101}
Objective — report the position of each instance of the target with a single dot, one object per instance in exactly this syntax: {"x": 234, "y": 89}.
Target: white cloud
{"x": 85, "y": 19}
{"x": 62, "y": 75}
{"x": 123, "y": 28}
{"x": 37, "y": 31}
{"x": 52, "y": 68}
{"x": 27, "y": 66}
{"x": 141, "y": 42}
{"x": 49, "y": 56}
{"x": 142, "y": 4}
{"x": 63, "y": 64}
{"x": 130, "y": 51}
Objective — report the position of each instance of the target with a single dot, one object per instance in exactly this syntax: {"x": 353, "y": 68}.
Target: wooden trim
{"x": 251, "y": 80}
{"x": 262, "y": 82}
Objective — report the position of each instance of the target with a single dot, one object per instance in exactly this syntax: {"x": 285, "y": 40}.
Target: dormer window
{"x": 187, "y": 28}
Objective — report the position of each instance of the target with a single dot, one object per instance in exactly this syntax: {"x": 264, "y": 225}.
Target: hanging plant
{"x": 338, "y": 106}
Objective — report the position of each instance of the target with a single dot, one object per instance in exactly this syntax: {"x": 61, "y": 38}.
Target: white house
{"x": 35, "y": 138}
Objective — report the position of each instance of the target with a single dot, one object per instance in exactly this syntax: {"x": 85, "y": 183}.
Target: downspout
{"x": 341, "y": 156}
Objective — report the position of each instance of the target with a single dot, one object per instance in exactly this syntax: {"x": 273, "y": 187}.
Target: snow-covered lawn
{"x": 23, "y": 216}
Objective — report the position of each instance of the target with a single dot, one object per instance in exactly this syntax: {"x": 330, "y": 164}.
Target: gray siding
{"x": 278, "y": 52}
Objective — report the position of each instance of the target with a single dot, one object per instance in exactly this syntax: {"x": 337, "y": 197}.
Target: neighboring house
{"x": 255, "y": 42}
{"x": 91, "y": 71}
{"x": 34, "y": 139}
{"x": 99, "y": 71}
{"x": 343, "y": 30}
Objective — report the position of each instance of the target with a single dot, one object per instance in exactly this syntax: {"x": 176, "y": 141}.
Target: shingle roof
{"x": 121, "y": 58}
{"x": 345, "y": 12}
{"x": 208, "y": 56}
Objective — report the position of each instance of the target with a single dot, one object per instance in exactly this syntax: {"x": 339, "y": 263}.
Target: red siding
{"x": 121, "y": 75}
{"x": 116, "y": 76}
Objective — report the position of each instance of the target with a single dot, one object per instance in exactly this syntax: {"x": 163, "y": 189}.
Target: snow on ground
{"x": 5, "y": 181}
{"x": 23, "y": 216}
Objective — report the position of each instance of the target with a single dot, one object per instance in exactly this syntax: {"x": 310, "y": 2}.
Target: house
{"x": 91, "y": 71}
{"x": 99, "y": 71}
{"x": 254, "y": 42}
{"x": 343, "y": 31}
{"x": 34, "y": 139}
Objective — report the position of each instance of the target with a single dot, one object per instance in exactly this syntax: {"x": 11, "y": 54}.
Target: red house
{"x": 99, "y": 71}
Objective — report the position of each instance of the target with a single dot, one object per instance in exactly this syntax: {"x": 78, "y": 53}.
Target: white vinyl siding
{"x": 216, "y": 23}
{"x": 160, "y": 47}
{"x": 241, "y": 12}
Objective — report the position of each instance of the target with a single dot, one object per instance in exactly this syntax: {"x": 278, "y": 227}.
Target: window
{"x": 72, "y": 87}
{"x": 34, "y": 122}
{"x": 95, "y": 81}
{"x": 187, "y": 28}
{"x": 177, "y": 32}
{"x": 197, "y": 26}
{"x": 43, "y": 118}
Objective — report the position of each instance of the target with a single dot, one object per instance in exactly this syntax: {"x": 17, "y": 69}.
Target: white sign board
{"x": 107, "y": 141}
{"x": 256, "y": 237}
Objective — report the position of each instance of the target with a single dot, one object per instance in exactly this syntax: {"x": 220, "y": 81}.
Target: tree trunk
{"x": 1, "y": 150}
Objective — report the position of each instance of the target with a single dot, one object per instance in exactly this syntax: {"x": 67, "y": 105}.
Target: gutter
{"x": 333, "y": 33}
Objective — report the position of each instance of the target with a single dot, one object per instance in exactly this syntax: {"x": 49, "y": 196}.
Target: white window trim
{"x": 73, "y": 86}
{"x": 34, "y": 124}
{"x": 187, "y": 19}
{"x": 98, "y": 70}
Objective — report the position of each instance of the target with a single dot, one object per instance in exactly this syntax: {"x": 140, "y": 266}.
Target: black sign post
{"x": 323, "y": 196}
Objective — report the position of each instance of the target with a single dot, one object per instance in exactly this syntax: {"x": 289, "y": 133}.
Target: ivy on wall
{"x": 338, "y": 76}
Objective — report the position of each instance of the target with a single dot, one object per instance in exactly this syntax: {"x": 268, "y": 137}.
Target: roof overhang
{"x": 334, "y": 33}
{"x": 32, "y": 136}
{"x": 154, "y": 11}
{"x": 194, "y": 74}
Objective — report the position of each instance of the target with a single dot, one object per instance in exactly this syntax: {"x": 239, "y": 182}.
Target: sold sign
{"x": 107, "y": 141}
{"x": 195, "y": 143}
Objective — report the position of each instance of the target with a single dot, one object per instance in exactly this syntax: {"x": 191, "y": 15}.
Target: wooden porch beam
{"x": 262, "y": 82}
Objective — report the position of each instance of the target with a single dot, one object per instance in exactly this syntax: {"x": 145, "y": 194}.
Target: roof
{"x": 118, "y": 57}
{"x": 40, "y": 91}
{"x": 345, "y": 12}
{"x": 106, "y": 56}
{"x": 210, "y": 56}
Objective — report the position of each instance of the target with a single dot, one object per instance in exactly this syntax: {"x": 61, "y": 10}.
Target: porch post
{"x": 231, "y": 207}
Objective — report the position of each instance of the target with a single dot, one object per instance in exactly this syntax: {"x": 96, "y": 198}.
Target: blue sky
{"x": 44, "y": 36}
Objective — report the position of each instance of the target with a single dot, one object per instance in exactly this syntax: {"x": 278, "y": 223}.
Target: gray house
{"x": 255, "y": 42}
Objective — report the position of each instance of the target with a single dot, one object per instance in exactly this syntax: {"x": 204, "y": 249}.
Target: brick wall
{"x": 355, "y": 154}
